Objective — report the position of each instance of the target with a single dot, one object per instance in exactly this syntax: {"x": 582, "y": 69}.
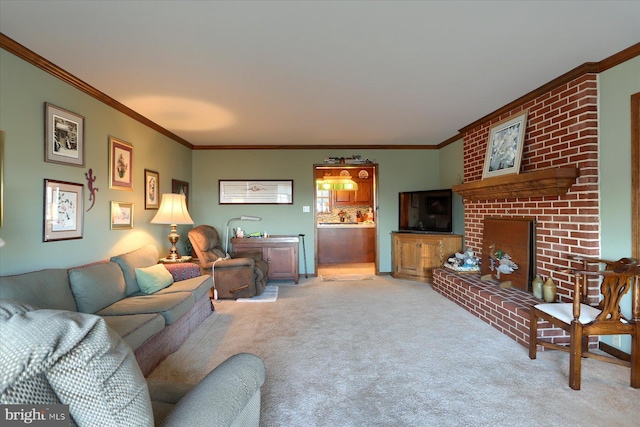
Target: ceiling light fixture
{"x": 336, "y": 183}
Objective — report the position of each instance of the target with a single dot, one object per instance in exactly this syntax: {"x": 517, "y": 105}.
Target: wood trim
{"x": 33, "y": 58}
{"x": 545, "y": 182}
{"x": 635, "y": 175}
{"x": 619, "y": 58}
{"x": 586, "y": 68}
{"x": 316, "y": 147}
{"x": 450, "y": 140}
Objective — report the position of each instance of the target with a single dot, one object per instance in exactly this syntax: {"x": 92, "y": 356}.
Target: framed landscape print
{"x": 504, "y": 148}
{"x": 63, "y": 212}
{"x": 64, "y": 136}
{"x": 120, "y": 164}
{"x": 121, "y": 215}
{"x": 180, "y": 187}
{"x": 151, "y": 189}
{"x": 255, "y": 192}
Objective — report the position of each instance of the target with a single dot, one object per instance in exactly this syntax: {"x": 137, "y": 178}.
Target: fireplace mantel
{"x": 545, "y": 182}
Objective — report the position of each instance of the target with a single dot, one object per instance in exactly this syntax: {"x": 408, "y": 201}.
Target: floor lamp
{"x": 173, "y": 211}
{"x": 240, "y": 218}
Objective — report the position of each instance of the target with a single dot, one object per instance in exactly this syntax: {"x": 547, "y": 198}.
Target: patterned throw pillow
{"x": 152, "y": 279}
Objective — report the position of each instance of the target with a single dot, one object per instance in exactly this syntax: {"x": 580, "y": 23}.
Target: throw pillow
{"x": 152, "y": 279}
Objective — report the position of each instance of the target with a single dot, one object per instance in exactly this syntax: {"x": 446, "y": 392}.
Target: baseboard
{"x": 615, "y": 352}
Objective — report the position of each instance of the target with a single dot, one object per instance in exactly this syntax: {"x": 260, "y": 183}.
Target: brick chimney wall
{"x": 562, "y": 131}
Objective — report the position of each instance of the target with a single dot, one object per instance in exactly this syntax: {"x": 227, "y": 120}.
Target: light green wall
{"x": 616, "y": 87}
{"x": 23, "y": 91}
{"x": 452, "y": 173}
{"x": 398, "y": 170}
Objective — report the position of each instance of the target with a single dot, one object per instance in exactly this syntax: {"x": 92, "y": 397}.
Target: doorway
{"x": 345, "y": 219}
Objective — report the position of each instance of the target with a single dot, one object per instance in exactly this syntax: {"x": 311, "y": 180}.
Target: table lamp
{"x": 173, "y": 211}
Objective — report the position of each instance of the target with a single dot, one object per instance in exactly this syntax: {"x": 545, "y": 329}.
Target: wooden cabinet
{"x": 344, "y": 244}
{"x": 363, "y": 196}
{"x": 281, "y": 252}
{"x": 416, "y": 255}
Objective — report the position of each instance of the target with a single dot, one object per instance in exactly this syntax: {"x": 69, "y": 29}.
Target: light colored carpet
{"x": 269, "y": 294}
{"x": 388, "y": 352}
{"x": 346, "y": 277}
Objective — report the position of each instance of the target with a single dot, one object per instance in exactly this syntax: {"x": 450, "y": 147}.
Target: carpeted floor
{"x": 388, "y": 352}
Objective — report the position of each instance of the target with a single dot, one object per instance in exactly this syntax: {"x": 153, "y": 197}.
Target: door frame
{"x": 375, "y": 209}
{"x": 635, "y": 175}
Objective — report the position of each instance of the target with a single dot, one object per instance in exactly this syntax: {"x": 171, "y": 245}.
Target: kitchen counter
{"x": 346, "y": 225}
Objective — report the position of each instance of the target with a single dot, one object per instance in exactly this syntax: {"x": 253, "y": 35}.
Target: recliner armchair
{"x": 242, "y": 276}
{"x": 65, "y": 357}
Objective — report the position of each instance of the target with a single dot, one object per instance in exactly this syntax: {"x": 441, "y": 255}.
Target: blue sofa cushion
{"x": 145, "y": 256}
{"x": 171, "y": 306}
{"x": 97, "y": 286}
{"x": 44, "y": 289}
{"x": 154, "y": 278}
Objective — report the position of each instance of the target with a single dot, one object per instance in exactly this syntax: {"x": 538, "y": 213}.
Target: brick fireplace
{"x": 561, "y": 132}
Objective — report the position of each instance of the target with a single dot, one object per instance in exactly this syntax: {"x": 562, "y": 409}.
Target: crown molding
{"x": 33, "y": 58}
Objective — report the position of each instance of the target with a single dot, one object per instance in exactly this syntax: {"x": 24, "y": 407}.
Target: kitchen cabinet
{"x": 281, "y": 252}
{"x": 415, "y": 255}
{"x": 360, "y": 197}
{"x": 340, "y": 244}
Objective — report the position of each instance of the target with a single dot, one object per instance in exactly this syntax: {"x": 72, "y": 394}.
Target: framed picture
{"x": 255, "y": 192}
{"x": 64, "y": 136}
{"x": 504, "y": 149}
{"x": 151, "y": 189}
{"x": 121, "y": 215}
{"x": 120, "y": 164}
{"x": 63, "y": 211}
{"x": 180, "y": 187}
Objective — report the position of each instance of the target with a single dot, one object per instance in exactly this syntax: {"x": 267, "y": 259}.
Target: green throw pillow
{"x": 152, "y": 279}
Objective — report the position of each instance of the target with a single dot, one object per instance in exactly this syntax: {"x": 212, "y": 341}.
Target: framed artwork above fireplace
{"x": 504, "y": 148}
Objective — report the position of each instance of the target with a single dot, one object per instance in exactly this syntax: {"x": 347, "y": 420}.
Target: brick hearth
{"x": 507, "y": 310}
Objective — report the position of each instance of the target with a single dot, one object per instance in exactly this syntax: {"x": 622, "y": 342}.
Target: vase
{"x": 549, "y": 290}
{"x": 536, "y": 286}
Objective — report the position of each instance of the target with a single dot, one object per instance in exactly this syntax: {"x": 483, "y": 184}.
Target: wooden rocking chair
{"x": 581, "y": 320}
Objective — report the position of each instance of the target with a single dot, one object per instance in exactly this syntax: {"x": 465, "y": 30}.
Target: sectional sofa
{"x": 152, "y": 312}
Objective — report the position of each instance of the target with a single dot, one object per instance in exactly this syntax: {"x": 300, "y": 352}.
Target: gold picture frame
{"x": 121, "y": 215}
{"x": 504, "y": 148}
{"x": 120, "y": 164}
{"x": 63, "y": 217}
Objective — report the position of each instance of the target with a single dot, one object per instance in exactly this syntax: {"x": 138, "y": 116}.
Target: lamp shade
{"x": 173, "y": 210}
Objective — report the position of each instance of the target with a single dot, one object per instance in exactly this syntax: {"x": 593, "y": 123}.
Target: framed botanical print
{"x": 121, "y": 215}
{"x": 63, "y": 211}
{"x": 504, "y": 148}
{"x": 64, "y": 136}
{"x": 120, "y": 164}
{"x": 151, "y": 189}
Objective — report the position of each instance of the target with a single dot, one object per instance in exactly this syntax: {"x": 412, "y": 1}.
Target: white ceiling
{"x": 319, "y": 72}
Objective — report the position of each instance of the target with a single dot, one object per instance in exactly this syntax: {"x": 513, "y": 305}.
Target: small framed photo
{"x": 120, "y": 165}
{"x": 63, "y": 210}
{"x": 151, "y": 189}
{"x": 121, "y": 215}
{"x": 504, "y": 149}
{"x": 180, "y": 187}
{"x": 64, "y": 136}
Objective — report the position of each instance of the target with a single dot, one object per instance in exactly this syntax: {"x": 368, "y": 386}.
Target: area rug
{"x": 269, "y": 294}
{"x": 346, "y": 277}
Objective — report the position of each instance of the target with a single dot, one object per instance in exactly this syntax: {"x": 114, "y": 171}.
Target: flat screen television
{"x": 426, "y": 211}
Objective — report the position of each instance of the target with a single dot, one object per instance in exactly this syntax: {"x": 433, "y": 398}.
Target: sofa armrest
{"x": 221, "y": 396}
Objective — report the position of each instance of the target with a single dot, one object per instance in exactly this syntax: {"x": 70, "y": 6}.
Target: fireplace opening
{"x": 516, "y": 238}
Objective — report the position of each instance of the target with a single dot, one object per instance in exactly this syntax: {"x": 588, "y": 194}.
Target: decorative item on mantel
{"x": 353, "y": 160}
{"x": 502, "y": 264}
{"x": 549, "y": 290}
{"x": 536, "y": 286}
{"x": 464, "y": 262}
